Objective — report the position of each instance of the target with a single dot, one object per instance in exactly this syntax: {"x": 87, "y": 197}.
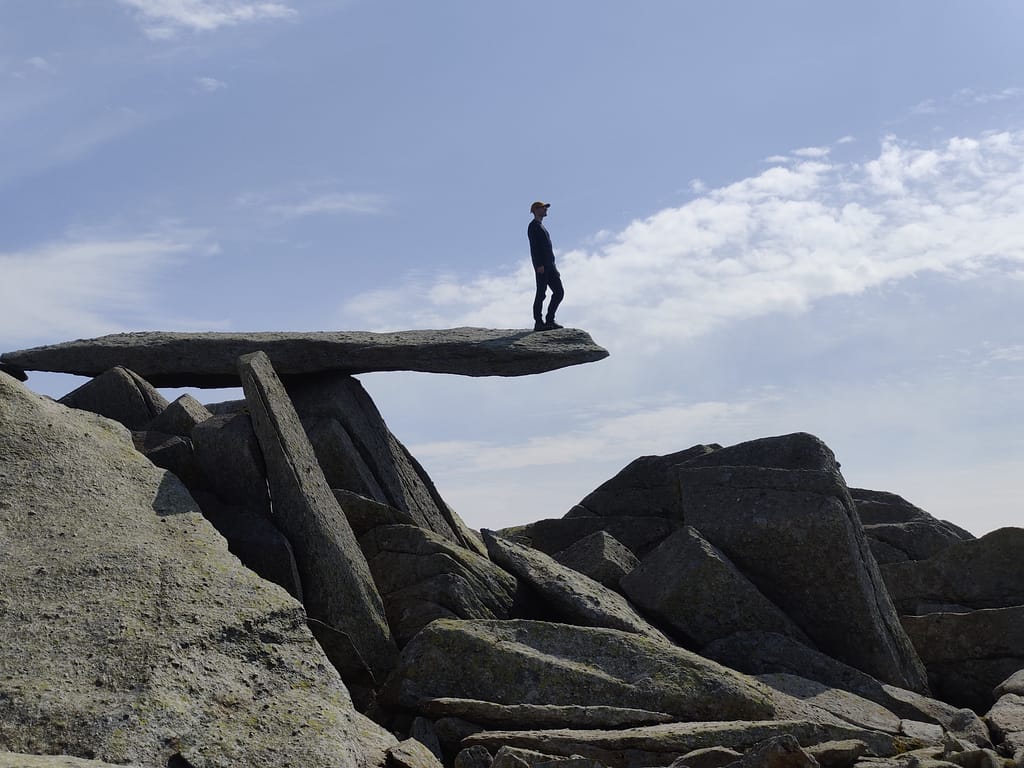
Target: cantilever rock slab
{"x": 171, "y": 359}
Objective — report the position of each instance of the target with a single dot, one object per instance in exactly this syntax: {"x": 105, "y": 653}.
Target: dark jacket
{"x": 540, "y": 245}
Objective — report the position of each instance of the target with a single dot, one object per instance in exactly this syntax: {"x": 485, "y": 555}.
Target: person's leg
{"x": 538, "y": 300}
{"x": 557, "y": 293}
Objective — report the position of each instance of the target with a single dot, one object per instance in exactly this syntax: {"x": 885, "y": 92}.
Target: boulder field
{"x": 278, "y": 582}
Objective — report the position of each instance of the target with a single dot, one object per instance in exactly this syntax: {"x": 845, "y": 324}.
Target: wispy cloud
{"x": 777, "y": 242}
{"x": 163, "y": 19}
{"x": 80, "y": 286}
{"x": 210, "y": 84}
{"x": 314, "y": 199}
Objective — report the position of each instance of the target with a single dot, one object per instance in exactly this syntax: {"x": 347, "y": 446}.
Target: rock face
{"x": 167, "y": 359}
{"x": 336, "y": 580}
{"x": 130, "y": 633}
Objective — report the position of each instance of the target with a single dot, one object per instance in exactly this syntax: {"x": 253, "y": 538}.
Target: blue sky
{"x": 778, "y": 217}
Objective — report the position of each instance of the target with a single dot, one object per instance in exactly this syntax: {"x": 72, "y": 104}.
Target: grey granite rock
{"x": 336, "y": 581}
{"x": 422, "y": 577}
{"x": 571, "y": 597}
{"x": 230, "y": 463}
{"x": 782, "y": 751}
{"x": 172, "y": 359}
{"x": 130, "y": 633}
{"x": 533, "y": 662}
{"x": 693, "y": 589}
{"x": 1006, "y": 716}
{"x": 474, "y": 757}
{"x": 491, "y": 714}
{"x": 180, "y": 417}
{"x": 638, "y": 534}
{"x": 119, "y": 394}
{"x": 796, "y": 535}
{"x": 601, "y": 557}
{"x": 411, "y": 753}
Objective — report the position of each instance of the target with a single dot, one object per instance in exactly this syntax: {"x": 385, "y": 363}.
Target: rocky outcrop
{"x": 130, "y": 633}
{"x": 121, "y": 395}
{"x": 534, "y": 662}
{"x": 897, "y": 530}
{"x": 601, "y": 557}
{"x": 638, "y": 534}
{"x": 339, "y": 590}
{"x": 168, "y": 359}
{"x": 570, "y": 596}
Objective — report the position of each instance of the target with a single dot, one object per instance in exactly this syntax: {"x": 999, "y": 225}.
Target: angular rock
{"x": 12, "y": 760}
{"x": 661, "y": 744}
{"x": 13, "y": 371}
{"x": 119, "y": 394}
{"x": 365, "y": 514}
{"x": 474, "y": 757}
{"x": 573, "y": 597}
{"x": 424, "y": 732}
{"x": 838, "y": 754}
{"x": 488, "y": 713}
{"x": 181, "y": 416}
{"x": 796, "y": 535}
{"x": 646, "y": 487}
{"x": 358, "y": 452}
{"x": 796, "y": 451}
{"x": 969, "y": 654}
{"x": 532, "y": 662}
{"x": 601, "y": 557}
{"x": 168, "y": 359}
{"x": 901, "y": 530}
{"x": 1013, "y": 684}
{"x": 336, "y": 581}
{"x": 412, "y": 754}
{"x": 639, "y": 534}
{"x": 844, "y": 705}
{"x": 980, "y": 573}
{"x": 711, "y": 757}
{"x": 171, "y": 452}
{"x": 782, "y": 751}
{"x": 694, "y": 591}
{"x": 1006, "y": 716}
{"x": 423, "y": 577}
{"x": 230, "y": 463}
{"x": 130, "y": 632}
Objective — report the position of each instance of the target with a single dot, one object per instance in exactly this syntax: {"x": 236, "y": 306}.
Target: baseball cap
{"x": 539, "y": 204}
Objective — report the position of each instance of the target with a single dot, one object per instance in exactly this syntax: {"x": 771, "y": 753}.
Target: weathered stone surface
{"x": 489, "y": 713}
{"x": 423, "y": 577}
{"x": 359, "y": 453}
{"x": 711, "y": 757}
{"x": 1013, "y": 684}
{"x": 474, "y": 757}
{"x": 638, "y": 534}
{"x": 365, "y": 514}
{"x": 782, "y": 751}
{"x": 171, "y": 452}
{"x": 838, "y": 754}
{"x": 600, "y": 556}
{"x": 230, "y": 463}
{"x": 844, "y": 705}
{"x": 532, "y": 662}
{"x": 130, "y": 633}
{"x": 169, "y": 359}
{"x": 646, "y": 487}
{"x": 694, "y": 591}
{"x": 336, "y": 581}
{"x": 796, "y": 535}
{"x": 119, "y": 394}
{"x": 12, "y": 760}
{"x": 969, "y": 654}
{"x": 656, "y": 745}
{"x": 412, "y": 754}
{"x": 422, "y": 729}
{"x": 572, "y": 597}
{"x": 13, "y": 371}
{"x": 1006, "y": 716}
{"x": 180, "y": 417}
{"x": 980, "y": 573}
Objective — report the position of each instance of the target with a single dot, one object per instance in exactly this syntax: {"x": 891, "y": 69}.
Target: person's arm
{"x": 537, "y": 245}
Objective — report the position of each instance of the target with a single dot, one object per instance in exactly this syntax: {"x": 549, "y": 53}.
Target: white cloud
{"x": 210, "y": 84}
{"x": 329, "y": 204}
{"x": 76, "y": 287}
{"x": 163, "y": 19}
{"x": 776, "y": 242}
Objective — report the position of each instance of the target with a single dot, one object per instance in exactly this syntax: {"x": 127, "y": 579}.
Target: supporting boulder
{"x": 336, "y": 581}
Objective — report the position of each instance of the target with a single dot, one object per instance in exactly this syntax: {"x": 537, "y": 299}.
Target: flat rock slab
{"x": 170, "y": 359}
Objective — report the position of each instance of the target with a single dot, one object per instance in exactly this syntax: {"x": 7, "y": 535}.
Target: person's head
{"x": 539, "y": 210}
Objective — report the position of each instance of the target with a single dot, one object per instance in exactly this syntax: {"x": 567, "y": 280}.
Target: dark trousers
{"x": 548, "y": 279}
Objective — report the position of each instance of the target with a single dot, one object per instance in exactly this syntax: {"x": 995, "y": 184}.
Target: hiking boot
{"x": 539, "y": 326}
{"x": 551, "y": 325}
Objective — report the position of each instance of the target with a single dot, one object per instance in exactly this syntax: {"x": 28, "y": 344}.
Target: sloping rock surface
{"x": 172, "y": 359}
{"x": 119, "y": 394}
{"x": 130, "y": 633}
{"x": 533, "y": 662}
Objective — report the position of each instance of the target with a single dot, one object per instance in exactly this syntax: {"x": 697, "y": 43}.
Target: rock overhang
{"x": 208, "y": 359}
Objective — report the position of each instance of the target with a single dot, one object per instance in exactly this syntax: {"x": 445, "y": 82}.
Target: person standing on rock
{"x": 543, "y": 256}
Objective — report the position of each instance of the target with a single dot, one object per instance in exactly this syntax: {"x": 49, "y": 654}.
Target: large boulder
{"x": 638, "y": 534}
{"x": 130, "y": 633}
{"x": 969, "y": 654}
{"x": 980, "y": 573}
{"x": 168, "y": 359}
{"x": 532, "y": 662}
{"x": 897, "y": 530}
{"x": 795, "y": 533}
{"x": 336, "y": 582}
{"x": 422, "y": 576}
{"x": 358, "y": 453}
{"x": 570, "y": 596}
{"x": 119, "y": 394}
{"x": 600, "y": 556}
{"x": 693, "y": 589}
